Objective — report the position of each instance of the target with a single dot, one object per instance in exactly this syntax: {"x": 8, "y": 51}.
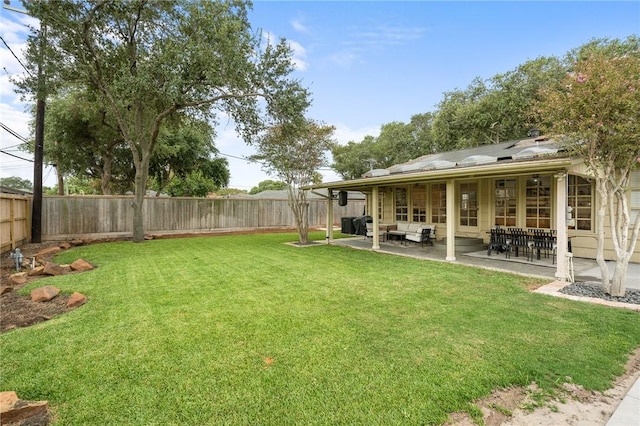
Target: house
{"x": 530, "y": 184}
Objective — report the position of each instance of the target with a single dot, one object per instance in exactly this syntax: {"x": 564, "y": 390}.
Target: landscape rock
{"x": 81, "y": 265}
{"x": 38, "y": 270}
{"x": 47, "y": 251}
{"x": 51, "y": 268}
{"x": 65, "y": 246}
{"x": 17, "y": 279}
{"x": 77, "y": 243}
{"x": 14, "y": 410}
{"x": 5, "y": 289}
{"x": 44, "y": 294}
{"x": 76, "y": 299}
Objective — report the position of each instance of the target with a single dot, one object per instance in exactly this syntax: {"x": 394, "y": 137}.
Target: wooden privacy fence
{"x": 15, "y": 221}
{"x": 66, "y": 217}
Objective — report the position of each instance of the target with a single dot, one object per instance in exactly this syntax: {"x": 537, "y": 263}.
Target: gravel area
{"x": 591, "y": 289}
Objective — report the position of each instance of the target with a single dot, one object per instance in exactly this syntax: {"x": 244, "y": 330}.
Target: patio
{"x": 584, "y": 269}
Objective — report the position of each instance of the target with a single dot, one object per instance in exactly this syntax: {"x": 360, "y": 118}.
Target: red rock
{"x": 65, "y": 246}
{"x": 38, "y": 270}
{"x": 76, "y": 299}
{"x": 51, "y": 268}
{"x": 44, "y": 294}
{"x": 5, "y": 289}
{"x": 17, "y": 279}
{"x": 14, "y": 410}
{"x": 7, "y": 399}
{"x": 50, "y": 250}
{"x": 81, "y": 265}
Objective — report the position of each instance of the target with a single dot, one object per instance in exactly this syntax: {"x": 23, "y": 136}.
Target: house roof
{"x": 511, "y": 157}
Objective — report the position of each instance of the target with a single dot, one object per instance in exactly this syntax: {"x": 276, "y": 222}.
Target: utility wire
{"x": 14, "y": 133}
{"x": 16, "y": 56}
{"x": 15, "y": 156}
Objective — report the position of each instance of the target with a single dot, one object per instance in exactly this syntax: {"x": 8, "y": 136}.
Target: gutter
{"x": 462, "y": 172}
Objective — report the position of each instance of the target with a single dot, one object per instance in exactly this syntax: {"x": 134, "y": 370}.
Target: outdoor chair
{"x": 369, "y": 232}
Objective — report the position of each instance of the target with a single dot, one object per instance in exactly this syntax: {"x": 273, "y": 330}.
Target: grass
{"x": 248, "y": 330}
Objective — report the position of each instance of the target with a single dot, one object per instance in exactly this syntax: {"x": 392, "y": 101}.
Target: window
{"x": 634, "y": 205}
{"x": 538, "y": 201}
{"x": 580, "y": 200}
{"x": 505, "y": 199}
{"x": 380, "y": 206}
{"x": 439, "y": 203}
{"x": 468, "y": 204}
{"x": 419, "y": 199}
{"x": 402, "y": 205}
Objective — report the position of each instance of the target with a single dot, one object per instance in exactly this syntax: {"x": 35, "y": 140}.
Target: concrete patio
{"x": 584, "y": 269}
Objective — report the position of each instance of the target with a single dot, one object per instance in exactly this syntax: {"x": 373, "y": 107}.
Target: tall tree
{"x": 268, "y": 185}
{"x": 596, "y": 112}
{"x": 184, "y": 154}
{"x": 15, "y": 182}
{"x": 293, "y": 152}
{"x": 81, "y": 139}
{"x": 151, "y": 60}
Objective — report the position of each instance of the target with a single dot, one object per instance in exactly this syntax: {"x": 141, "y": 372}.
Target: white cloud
{"x": 299, "y": 26}
{"x": 344, "y": 134}
{"x": 299, "y": 55}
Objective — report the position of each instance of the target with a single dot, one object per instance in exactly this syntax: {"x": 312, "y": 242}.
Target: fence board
{"x": 103, "y": 216}
{"x": 15, "y": 221}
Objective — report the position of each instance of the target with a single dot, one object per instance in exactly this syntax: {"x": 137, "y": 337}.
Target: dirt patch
{"x": 19, "y": 311}
{"x": 573, "y": 405}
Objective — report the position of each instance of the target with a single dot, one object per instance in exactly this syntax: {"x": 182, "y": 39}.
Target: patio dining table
{"x": 530, "y": 241}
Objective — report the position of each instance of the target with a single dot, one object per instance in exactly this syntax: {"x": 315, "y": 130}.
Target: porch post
{"x": 329, "y": 235}
{"x": 374, "y": 215}
{"x": 452, "y": 218}
{"x": 561, "y": 225}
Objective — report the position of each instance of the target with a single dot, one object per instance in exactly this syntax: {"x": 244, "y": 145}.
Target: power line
{"x": 15, "y": 156}
{"x": 14, "y": 133}
{"x": 16, "y": 56}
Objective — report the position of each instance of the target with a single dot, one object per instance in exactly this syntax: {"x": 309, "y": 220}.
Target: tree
{"x": 268, "y": 185}
{"x": 182, "y": 160}
{"x": 81, "y": 139}
{"x": 293, "y": 152}
{"x": 354, "y": 159}
{"x": 15, "y": 182}
{"x": 152, "y": 60}
{"x": 596, "y": 112}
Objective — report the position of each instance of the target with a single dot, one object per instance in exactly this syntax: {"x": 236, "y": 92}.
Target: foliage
{"x": 15, "y": 182}
{"x": 225, "y": 192}
{"x": 372, "y": 339}
{"x": 150, "y": 61}
{"x": 397, "y": 143}
{"x": 181, "y": 163}
{"x": 268, "y": 185}
{"x": 595, "y": 109}
{"x": 495, "y": 110}
{"x": 294, "y": 151}
{"x": 82, "y": 139}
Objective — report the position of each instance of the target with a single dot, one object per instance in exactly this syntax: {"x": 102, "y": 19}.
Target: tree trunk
{"x": 105, "y": 181}
{"x": 60, "y": 181}
{"x": 618, "y": 281}
{"x": 300, "y": 206}
{"x": 142, "y": 172}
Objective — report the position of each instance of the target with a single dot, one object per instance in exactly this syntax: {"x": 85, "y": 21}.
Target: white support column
{"x": 329, "y": 234}
{"x": 561, "y": 225}
{"x": 374, "y": 214}
{"x": 452, "y": 219}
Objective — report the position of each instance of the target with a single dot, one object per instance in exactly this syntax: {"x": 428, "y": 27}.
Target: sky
{"x": 367, "y": 64}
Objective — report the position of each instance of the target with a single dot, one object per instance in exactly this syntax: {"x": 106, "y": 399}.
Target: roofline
{"x": 520, "y": 167}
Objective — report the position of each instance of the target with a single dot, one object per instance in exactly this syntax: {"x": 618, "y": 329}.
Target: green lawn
{"x": 248, "y": 330}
